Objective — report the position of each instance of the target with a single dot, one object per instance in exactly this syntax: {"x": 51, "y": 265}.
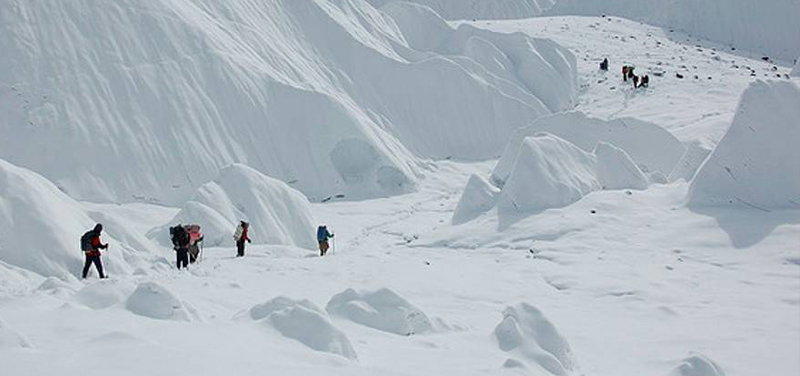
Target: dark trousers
{"x": 240, "y": 248}
{"x": 93, "y": 259}
{"x": 182, "y": 255}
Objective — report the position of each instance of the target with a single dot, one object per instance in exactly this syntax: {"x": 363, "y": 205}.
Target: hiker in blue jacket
{"x": 322, "y": 237}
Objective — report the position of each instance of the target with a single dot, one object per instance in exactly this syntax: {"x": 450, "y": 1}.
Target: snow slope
{"x": 757, "y": 163}
{"x": 328, "y": 96}
{"x": 277, "y": 213}
{"x": 481, "y": 9}
{"x": 767, "y": 28}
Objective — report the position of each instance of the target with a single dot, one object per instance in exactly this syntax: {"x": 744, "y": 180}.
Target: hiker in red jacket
{"x": 240, "y": 236}
{"x": 91, "y": 250}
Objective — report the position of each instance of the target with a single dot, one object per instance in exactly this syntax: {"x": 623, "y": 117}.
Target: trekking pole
{"x": 333, "y": 243}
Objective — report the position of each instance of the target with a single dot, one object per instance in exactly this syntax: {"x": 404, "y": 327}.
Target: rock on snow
{"x": 757, "y": 162}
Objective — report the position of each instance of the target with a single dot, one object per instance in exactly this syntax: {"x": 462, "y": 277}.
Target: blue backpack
{"x": 322, "y": 233}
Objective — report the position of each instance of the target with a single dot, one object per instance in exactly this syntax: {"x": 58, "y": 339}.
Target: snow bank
{"x": 277, "y": 213}
{"x": 479, "y": 196}
{"x": 768, "y": 28}
{"x": 616, "y": 170}
{"x": 305, "y": 322}
{"x": 145, "y": 101}
{"x": 526, "y": 332}
{"x": 382, "y": 310}
{"x": 154, "y": 301}
{"x": 757, "y": 162}
{"x": 697, "y": 365}
{"x": 548, "y": 173}
{"x": 40, "y": 229}
{"x": 481, "y": 9}
{"x": 650, "y": 146}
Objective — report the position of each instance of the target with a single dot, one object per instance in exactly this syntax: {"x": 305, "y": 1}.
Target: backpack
{"x": 239, "y": 232}
{"x": 179, "y": 236}
{"x": 86, "y": 241}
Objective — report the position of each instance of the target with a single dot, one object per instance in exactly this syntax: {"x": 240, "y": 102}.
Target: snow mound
{"x": 689, "y": 163}
{"x": 305, "y": 322}
{"x": 277, "y": 213}
{"x": 481, "y": 9}
{"x": 10, "y": 339}
{"x": 154, "y": 301}
{"x": 697, "y": 365}
{"x": 479, "y": 197}
{"x": 652, "y": 148}
{"x": 383, "y": 310}
{"x": 757, "y": 162}
{"x": 325, "y": 95}
{"x": 616, "y": 170}
{"x": 526, "y": 332}
{"x": 102, "y": 294}
{"x": 549, "y": 172}
{"x": 55, "y": 286}
{"x": 763, "y": 28}
{"x": 118, "y": 339}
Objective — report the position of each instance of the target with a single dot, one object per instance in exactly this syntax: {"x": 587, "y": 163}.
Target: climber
{"x": 604, "y": 65}
{"x": 180, "y": 242}
{"x": 322, "y": 237}
{"x": 91, "y": 246}
{"x": 240, "y": 236}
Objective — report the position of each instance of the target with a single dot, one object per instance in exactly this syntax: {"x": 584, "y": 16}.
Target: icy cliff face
{"x": 140, "y": 100}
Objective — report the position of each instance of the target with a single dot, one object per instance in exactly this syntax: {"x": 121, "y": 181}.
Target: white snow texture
{"x": 382, "y": 310}
{"x": 332, "y": 97}
{"x": 481, "y": 9}
{"x": 757, "y": 162}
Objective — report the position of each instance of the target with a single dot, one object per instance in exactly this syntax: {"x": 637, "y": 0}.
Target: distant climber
{"x": 240, "y": 236}
{"x": 195, "y": 237}
{"x": 322, "y": 237}
{"x": 627, "y": 72}
{"x": 91, "y": 246}
{"x": 635, "y": 82}
{"x": 644, "y": 81}
{"x": 604, "y": 65}
{"x": 180, "y": 242}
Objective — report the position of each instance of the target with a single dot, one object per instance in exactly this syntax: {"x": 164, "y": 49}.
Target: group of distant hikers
{"x": 186, "y": 240}
{"x": 628, "y": 73}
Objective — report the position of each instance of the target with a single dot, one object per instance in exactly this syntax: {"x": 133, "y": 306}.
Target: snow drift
{"x": 382, "y": 310}
{"x": 277, "y": 213}
{"x": 650, "y": 146}
{"x": 767, "y": 28}
{"x": 40, "y": 228}
{"x": 481, "y": 9}
{"x": 11, "y": 339}
{"x": 796, "y": 70}
{"x": 757, "y": 162}
{"x": 138, "y": 100}
{"x": 697, "y": 365}
{"x": 305, "y": 322}
{"x": 526, "y": 332}
{"x": 152, "y": 300}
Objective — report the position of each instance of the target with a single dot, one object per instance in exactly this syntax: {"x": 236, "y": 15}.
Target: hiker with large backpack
{"x": 322, "y": 237}
{"x": 91, "y": 246}
{"x": 180, "y": 242}
{"x": 195, "y": 237}
{"x": 240, "y": 236}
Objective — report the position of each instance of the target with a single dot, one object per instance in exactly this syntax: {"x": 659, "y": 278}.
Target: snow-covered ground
{"x": 619, "y": 282}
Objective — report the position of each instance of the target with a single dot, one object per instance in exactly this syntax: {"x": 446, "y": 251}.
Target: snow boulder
{"x": 479, "y": 196}
{"x": 154, "y": 301}
{"x": 548, "y": 172}
{"x": 527, "y": 333}
{"x": 652, "y": 148}
{"x": 103, "y": 294}
{"x": 277, "y": 213}
{"x": 697, "y": 365}
{"x": 304, "y": 322}
{"x": 383, "y": 310}
{"x": 757, "y": 163}
{"x": 616, "y": 170}
{"x": 10, "y": 339}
